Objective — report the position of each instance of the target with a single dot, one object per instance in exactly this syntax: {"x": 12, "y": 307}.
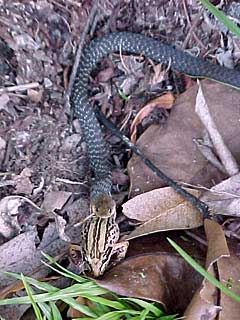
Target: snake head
{"x": 103, "y": 206}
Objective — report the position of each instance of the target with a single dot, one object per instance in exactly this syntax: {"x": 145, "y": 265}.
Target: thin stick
{"x": 20, "y": 87}
{"x": 79, "y": 51}
{"x": 201, "y": 206}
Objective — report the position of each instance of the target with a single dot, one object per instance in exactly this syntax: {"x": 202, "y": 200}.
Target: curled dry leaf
{"x": 224, "y": 198}
{"x": 160, "y": 210}
{"x": 204, "y": 303}
{"x": 9, "y": 210}
{"x": 159, "y": 74}
{"x": 165, "y": 101}
{"x": 223, "y": 152}
{"x": 158, "y": 277}
{"x": 17, "y": 213}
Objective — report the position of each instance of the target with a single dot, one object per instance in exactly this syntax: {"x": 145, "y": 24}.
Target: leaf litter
{"x": 42, "y": 39}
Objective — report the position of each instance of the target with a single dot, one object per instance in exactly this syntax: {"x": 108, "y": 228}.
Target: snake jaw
{"x": 103, "y": 206}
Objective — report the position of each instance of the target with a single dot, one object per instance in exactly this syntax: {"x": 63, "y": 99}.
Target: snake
{"x": 101, "y": 202}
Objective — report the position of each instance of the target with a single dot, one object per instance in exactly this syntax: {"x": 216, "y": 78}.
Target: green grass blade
{"x": 29, "y": 293}
{"x": 70, "y": 292}
{"x": 100, "y": 309}
{"x": 38, "y": 284}
{"x": 46, "y": 310}
{"x": 146, "y": 305}
{"x": 56, "y": 315}
{"x": 203, "y": 272}
{"x": 117, "y": 314}
{"x": 143, "y": 314}
{"x": 123, "y": 96}
{"x": 221, "y": 17}
{"x": 173, "y": 317}
{"x": 106, "y": 302}
{"x": 82, "y": 308}
{"x": 69, "y": 274}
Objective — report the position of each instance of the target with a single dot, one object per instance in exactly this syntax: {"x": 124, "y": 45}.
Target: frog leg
{"x": 120, "y": 250}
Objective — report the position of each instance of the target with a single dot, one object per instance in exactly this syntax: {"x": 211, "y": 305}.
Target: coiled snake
{"x": 101, "y": 201}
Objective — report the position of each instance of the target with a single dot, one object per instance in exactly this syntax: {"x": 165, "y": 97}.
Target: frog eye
{"x": 97, "y": 209}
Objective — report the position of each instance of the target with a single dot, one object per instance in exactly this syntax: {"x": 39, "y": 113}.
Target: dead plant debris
{"x": 44, "y": 170}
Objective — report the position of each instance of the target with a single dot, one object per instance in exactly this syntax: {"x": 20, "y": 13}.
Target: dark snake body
{"x": 136, "y": 44}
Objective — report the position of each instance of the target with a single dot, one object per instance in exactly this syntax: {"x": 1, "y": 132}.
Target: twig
{"x": 79, "y": 51}
{"x": 201, "y": 206}
{"x": 195, "y": 237}
{"x": 67, "y": 181}
{"x": 23, "y": 198}
{"x": 192, "y": 26}
{"x": 21, "y": 87}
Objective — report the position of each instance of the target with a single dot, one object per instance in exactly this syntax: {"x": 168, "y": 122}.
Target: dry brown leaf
{"x": 165, "y": 101}
{"x": 164, "y": 278}
{"x": 55, "y": 200}
{"x": 204, "y": 303}
{"x": 171, "y": 147}
{"x": 159, "y": 74}
{"x": 105, "y": 75}
{"x": 4, "y": 99}
{"x": 202, "y": 109}
{"x": 23, "y": 182}
{"x": 224, "y": 198}
{"x": 35, "y": 95}
{"x": 9, "y": 210}
{"x": 18, "y": 254}
{"x": 160, "y": 210}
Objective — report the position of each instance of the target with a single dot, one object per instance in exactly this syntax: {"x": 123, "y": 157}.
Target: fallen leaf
{"x": 171, "y": 147}
{"x": 35, "y": 95}
{"x": 205, "y": 300}
{"x": 133, "y": 69}
{"x": 4, "y": 99}
{"x": 23, "y": 182}
{"x": 159, "y": 74}
{"x": 202, "y": 109}
{"x": 158, "y": 277}
{"x": 165, "y": 101}
{"x": 9, "y": 210}
{"x": 18, "y": 255}
{"x": 160, "y": 210}
{"x": 55, "y": 200}
{"x": 13, "y": 312}
{"x": 105, "y": 75}
{"x": 23, "y": 253}
{"x": 224, "y": 198}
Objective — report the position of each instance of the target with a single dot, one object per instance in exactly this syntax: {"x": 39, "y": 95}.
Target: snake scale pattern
{"x": 135, "y": 44}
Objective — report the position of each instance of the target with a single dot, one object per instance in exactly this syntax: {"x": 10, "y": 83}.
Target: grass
{"x": 43, "y": 298}
{"x": 225, "y": 289}
{"x": 221, "y": 17}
